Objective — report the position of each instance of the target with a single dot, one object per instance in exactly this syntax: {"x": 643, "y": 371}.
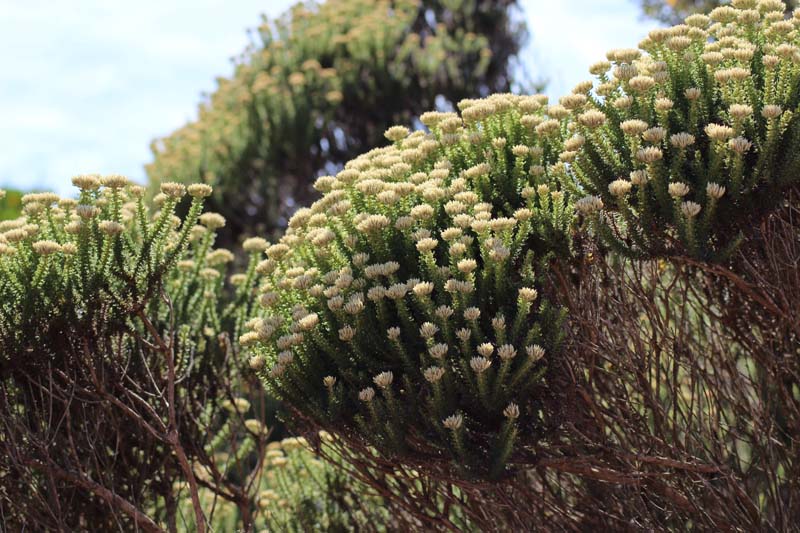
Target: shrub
{"x": 113, "y": 355}
{"x": 320, "y": 85}
{"x": 662, "y": 401}
{"x": 694, "y": 137}
{"x": 407, "y": 307}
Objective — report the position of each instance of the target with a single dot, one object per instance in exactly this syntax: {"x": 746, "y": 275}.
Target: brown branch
{"x": 173, "y": 437}
{"x": 115, "y": 500}
{"x": 744, "y": 286}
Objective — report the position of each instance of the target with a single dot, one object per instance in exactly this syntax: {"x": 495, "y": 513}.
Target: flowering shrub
{"x": 319, "y": 85}
{"x": 113, "y": 352}
{"x": 408, "y": 302}
{"x": 693, "y": 134}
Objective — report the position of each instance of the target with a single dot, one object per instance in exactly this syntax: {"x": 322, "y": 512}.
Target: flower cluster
{"x": 408, "y": 301}
{"x": 67, "y": 262}
{"x": 692, "y": 133}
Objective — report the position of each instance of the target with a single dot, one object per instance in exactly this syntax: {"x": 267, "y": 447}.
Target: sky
{"x": 569, "y": 35}
{"x": 85, "y": 85}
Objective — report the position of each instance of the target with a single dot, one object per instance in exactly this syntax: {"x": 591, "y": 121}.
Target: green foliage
{"x": 695, "y": 135}
{"x": 10, "y": 204}
{"x": 67, "y": 263}
{"x": 420, "y": 273}
{"x": 320, "y": 85}
{"x": 296, "y": 491}
{"x": 674, "y": 11}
